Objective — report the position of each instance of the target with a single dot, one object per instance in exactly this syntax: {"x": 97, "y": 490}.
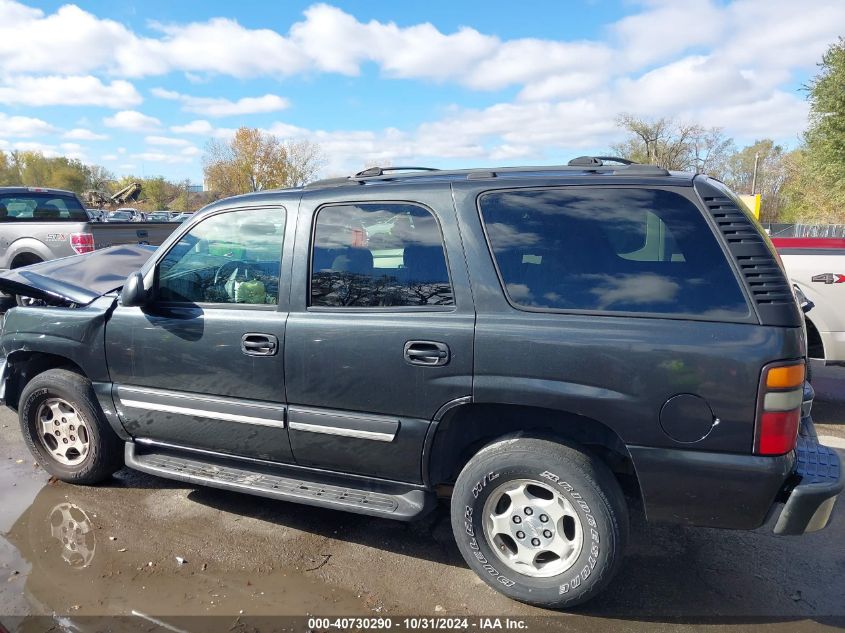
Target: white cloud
{"x": 166, "y": 140}
{"x": 33, "y": 146}
{"x": 84, "y": 134}
{"x": 219, "y": 107}
{"x": 200, "y": 126}
{"x": 131, "y": 120}
{"x": 667, "y": 28}
{"x": 161, "y": 157}
{"x": 730, "y": 63}
{"x": 108, "y": 157}
{"x": 23, "y": 126}
{"x": 68, "y": 90}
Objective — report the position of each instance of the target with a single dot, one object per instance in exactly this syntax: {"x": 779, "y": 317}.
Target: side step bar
{"x": 391, "y": 501}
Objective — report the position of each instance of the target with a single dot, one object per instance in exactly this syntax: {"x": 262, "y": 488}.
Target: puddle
{"x": 76, "y": 551}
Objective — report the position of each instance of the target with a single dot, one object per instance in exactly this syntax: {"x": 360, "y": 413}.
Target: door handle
{"x": 254, "y": 344}
{"x": 427, "y": 353}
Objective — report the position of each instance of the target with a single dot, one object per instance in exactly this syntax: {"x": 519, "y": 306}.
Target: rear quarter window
{"x": 643, "y": 251}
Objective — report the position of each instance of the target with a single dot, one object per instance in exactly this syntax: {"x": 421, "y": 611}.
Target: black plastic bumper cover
{"x": 811, "y": 501}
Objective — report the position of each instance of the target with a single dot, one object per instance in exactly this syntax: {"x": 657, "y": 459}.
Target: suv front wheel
{"x": 65, "y": 429}
{"x": 540, "y": 521}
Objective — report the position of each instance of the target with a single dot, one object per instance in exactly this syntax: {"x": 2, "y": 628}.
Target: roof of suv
{"x": 578, "y": 167}
{"x": 62, "y": 192}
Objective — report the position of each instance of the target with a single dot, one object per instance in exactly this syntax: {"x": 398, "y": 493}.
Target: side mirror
{"x": 134, "y": 294}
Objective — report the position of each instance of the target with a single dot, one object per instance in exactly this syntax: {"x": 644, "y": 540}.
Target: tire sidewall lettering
{"x": 574, "y": 577}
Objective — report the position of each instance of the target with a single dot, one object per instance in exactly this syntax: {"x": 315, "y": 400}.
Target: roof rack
{"x": 593, "y": 164}
{"x": 598, "y": 161}
{"x": 381, "y": 171}
{"x": 361, "y": 176}
{"x": 590, "y": 164}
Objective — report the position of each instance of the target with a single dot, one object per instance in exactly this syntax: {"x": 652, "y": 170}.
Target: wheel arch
{"x": 25, "y": 248}
{"x": 24, "y": 365}
{"x": 815, "y": 343}
{"x": 465, "y": 428}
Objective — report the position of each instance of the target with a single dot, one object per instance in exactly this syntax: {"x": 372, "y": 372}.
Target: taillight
{"x": 779, "y": 408}
{"x": 82, "y": 242}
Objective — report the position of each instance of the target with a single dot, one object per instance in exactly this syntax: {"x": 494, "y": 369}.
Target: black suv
{"x": 539, "y": 344}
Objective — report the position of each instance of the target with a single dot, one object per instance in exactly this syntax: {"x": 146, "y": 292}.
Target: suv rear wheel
{"x": 541, "y": 522}
{"x": 65, "y": 430}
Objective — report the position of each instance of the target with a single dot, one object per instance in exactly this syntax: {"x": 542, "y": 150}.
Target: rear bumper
{"x": 796, "y": 491}
{"x": 818, "y": 481}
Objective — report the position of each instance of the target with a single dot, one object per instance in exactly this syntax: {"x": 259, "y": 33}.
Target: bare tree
{"x": 673, "y": 145}
{"x": 254, "y": 160}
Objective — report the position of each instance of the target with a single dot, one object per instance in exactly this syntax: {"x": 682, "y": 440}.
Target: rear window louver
{"x": 770, "y": 290}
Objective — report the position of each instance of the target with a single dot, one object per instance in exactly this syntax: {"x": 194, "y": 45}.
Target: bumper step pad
{"x": 389, "y": 500}
{"x": 811, "y": 502}
{"x": 816, "y": 463}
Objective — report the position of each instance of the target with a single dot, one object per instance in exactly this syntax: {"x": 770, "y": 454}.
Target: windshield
{"x": 121, "y": 215}
{"x": 41, "y": 207}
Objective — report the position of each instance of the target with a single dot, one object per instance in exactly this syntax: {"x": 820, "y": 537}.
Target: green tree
{"x": 9, "y": 174}
{"x": 182, "y": 201}
{"x": 825, "y": 136}
{"x": 157, "y": 193}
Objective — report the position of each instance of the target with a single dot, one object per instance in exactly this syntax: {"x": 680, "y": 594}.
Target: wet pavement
{"x": 69, "y": 552}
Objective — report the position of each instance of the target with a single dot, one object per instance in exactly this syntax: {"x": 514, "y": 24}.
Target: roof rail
{"x": 361, "y": 176}
{"x": 597, "y": 161}
{"x": 380, "y": 171}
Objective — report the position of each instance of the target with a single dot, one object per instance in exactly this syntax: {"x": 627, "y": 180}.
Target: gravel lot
{"x": 75, "y": 551}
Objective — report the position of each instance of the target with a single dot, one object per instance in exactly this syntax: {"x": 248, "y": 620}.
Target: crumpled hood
{"x": 78, "y": 279}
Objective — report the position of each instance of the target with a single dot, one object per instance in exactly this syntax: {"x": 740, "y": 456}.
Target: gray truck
{"x": 39, "y": 224}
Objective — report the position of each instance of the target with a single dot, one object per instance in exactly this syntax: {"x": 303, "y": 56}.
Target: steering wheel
{"x": 247, "y": 270}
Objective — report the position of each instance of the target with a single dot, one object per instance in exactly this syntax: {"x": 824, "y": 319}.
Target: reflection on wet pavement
{"x": 83, "y": 556}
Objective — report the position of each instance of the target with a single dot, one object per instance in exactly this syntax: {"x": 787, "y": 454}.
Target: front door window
{"x": 231, "y": 257}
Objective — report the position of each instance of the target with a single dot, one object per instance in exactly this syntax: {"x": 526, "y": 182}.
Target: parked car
{"x": 96, "y": 215}
{"x": 39, "y": 224}
{"x": 181, "y": 217}
{"x": 531, "y": 342}
{"x": 160, "y": 216}
{"x": 817, "y": 267}
{"x": 125, "y": 215}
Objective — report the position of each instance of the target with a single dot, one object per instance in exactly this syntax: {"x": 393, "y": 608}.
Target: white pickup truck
{"x": 817, "y": 267}
{"x": 38, "y": 224}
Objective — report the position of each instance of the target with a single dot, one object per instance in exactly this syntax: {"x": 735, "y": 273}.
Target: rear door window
{"x": 386, "y": 254}
{"x": 610, "y": 250}
{"x": 41, "y": 207}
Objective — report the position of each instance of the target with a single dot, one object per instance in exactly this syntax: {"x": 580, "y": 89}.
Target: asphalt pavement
{"x": 157, "y": 550}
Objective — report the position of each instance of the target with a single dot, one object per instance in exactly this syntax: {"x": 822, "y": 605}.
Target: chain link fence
{"x": 804, "y": 230}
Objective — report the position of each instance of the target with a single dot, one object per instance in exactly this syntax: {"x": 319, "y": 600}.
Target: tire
{"x": 28, "y": 302}
{"x": 65, "y": 402}
{"x": 585, "y": 505}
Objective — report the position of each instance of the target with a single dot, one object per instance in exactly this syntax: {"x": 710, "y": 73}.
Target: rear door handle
{"x": 427, "y": 353}
{"x": 255, "y": 344}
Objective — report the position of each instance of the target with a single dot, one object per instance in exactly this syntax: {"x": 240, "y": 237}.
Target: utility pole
{"x": 754, "y": 176}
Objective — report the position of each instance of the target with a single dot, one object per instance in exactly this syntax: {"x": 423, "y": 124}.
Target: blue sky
{"x": 140, "y": 87}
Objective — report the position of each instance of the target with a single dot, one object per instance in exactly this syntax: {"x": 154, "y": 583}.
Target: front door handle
{"x": 428, "y": 353}
{"x": 255, "y": 344}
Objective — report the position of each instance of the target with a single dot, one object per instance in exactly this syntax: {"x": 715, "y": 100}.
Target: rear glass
{"x": 610, "y": 250}
{"x": 41, "y": 207}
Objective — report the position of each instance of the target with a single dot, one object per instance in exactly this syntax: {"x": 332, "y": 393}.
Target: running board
{"x": 391, "y": 501}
